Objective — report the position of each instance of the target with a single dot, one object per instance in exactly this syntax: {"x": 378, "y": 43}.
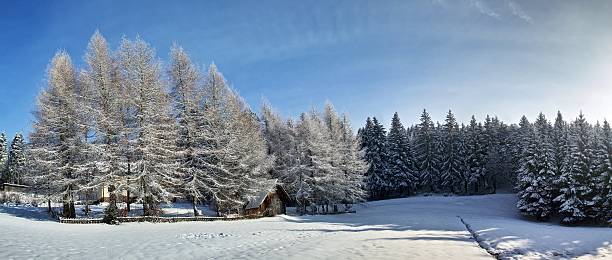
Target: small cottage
{"x": 271, "y": 200}
{"x": 103, "y": 195}
{"x": 11, "y": 187}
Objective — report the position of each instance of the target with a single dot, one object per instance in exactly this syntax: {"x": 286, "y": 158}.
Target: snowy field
{"x": 411, "y": 228}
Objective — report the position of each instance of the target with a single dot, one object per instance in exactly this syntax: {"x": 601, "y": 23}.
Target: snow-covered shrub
{"x": 19, "y": 198}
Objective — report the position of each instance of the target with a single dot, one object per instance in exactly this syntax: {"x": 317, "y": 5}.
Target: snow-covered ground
{"x": 411, "y": 228}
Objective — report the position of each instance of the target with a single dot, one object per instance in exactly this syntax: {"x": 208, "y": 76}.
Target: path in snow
{"x": 411, "y": 228}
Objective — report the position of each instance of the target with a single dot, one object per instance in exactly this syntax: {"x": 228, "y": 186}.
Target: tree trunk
{"x": 195, "y": 210}
{"x": 87, "y": 209}
{"x": 127, "y": 201}
{"x": 494, "y": 186}
{"x": 129, "y": 172}
{"x": 68, "y": 208}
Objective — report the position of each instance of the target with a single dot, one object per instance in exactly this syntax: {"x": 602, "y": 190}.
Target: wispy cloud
{"x": 484, "y": 9}
{"x": 518, "y": 11}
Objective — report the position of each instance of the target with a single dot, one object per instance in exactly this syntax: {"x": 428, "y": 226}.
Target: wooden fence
{"x": 153, "y": 219}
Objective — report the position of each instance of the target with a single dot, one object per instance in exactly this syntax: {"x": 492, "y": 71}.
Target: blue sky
{"x": 370, "y": 58}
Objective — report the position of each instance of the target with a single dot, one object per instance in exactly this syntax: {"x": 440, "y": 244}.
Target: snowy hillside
{"x": 411, "y": 228}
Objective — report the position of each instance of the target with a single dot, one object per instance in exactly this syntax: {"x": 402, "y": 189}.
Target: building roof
{"x": 15, "y": 185}
{"x": 258, "y": 198}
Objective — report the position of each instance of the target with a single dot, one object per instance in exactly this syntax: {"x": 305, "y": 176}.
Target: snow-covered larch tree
{"x": 352, "y": 164}
{"x": 152, "y": 129}
{"x": 101, "y": 80}
{"x": 58, "y": 139}
{"x": 185, "y": 91}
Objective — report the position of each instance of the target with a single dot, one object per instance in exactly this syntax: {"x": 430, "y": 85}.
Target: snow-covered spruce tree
{"x": 495, "y": 149}
{"x": 439, "y": 147}
{"x": 536, "y": 173}
{"x": 451, "y": 161}
{"x": 152, "y": 130}
{"x": 476, "y": 159}
{"x": 463, "y": 151}
{"x": 186, "y": 94}
{"x": 519, "y": 140}
{"x": 3, "y": 157}
{"x": 602, "y": 168}
{"x": 425, "y": 154}
{"x": 401, "y": 170}
{"x": 375, "y": 155}
{"x": 58, "y": 140}
{"x": 499, "y": 155}
{"x": 604, "y": 172}
{"x": 560, "y": 147}
{"x": 578, "y": 182}
{"x": 17, "y": 160}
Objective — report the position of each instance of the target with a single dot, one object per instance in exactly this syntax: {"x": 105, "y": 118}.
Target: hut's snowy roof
{"x": 258, "y": 198}
{"x": 15, "y": 185}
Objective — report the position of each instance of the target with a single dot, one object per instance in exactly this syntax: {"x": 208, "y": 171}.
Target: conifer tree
{"x": 536, "y": 173}
{"x": 451, "y": 160}
{"x": 304, "y": 168}
{"x": 476, "y": 160}
{"x": 233, "y": 150}
{"x": 604, "y": 171}
{"x": 577, "y": 184}
{"x": 185, "y": 92}
{"x": 3, "y": 157}
{"x": 401, "y": 172}
{"x": 352, "y": 164}
{"x": 58, "y": 140}
{"x": 17, "y": 160}
{"x": 373, "y": 137}
{"x": 104, "y": 106}
{"x": 464, "y": 152}
{"x": 152, "y": 129}
{"x": 560, "y": 149}
{"x": 425, "y": 153}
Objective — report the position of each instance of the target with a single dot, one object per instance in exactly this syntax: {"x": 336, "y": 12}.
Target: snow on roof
{"x": 15, "y": 185}
{"x": 259, "y": 197}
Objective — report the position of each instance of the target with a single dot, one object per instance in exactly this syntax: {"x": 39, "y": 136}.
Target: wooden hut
{"x": 103, "y": 195}
{"x": 271, "y": 200}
